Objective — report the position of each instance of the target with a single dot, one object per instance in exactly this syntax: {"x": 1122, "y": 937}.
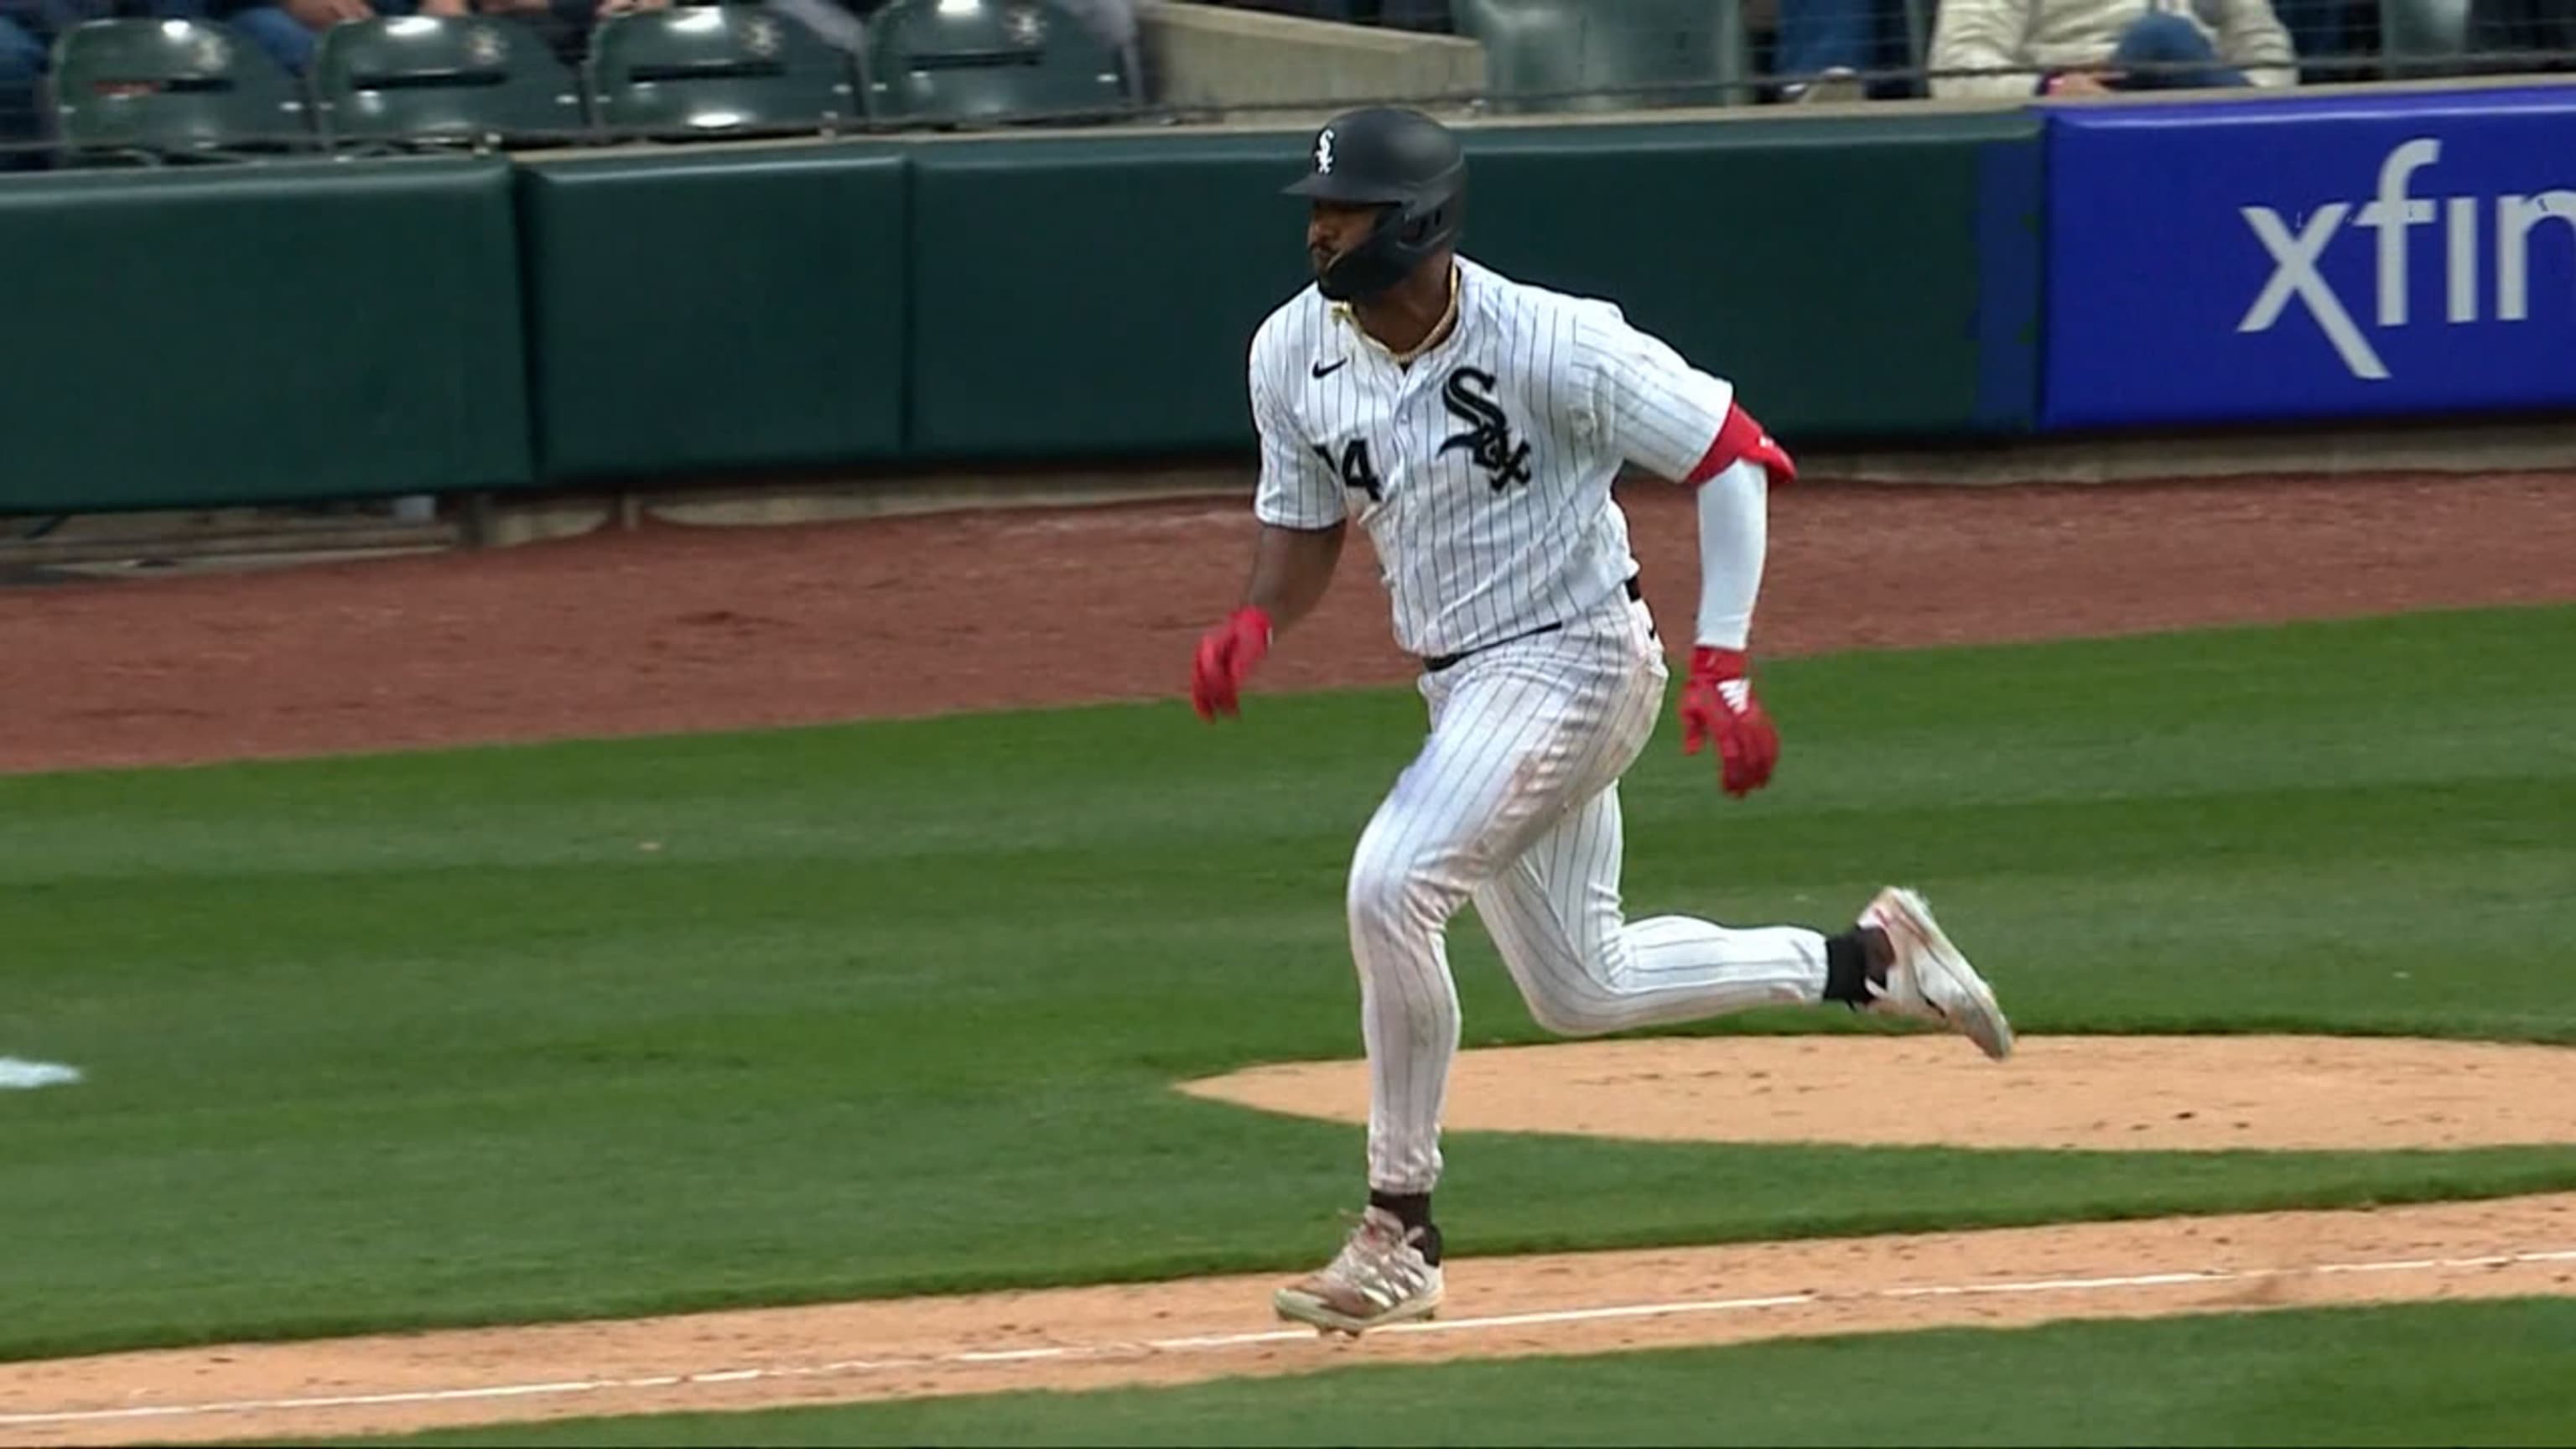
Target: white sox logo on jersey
{"x": 1488, "y": 439}
{"x": 1539, "y": 400}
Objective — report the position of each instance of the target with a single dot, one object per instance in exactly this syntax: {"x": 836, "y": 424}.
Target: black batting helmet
{"x": 1397, "y": 159}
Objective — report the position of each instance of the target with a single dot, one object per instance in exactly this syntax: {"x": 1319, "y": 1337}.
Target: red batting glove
{"x": 1227, "y": 654}
{"x": 1718, "y": 704}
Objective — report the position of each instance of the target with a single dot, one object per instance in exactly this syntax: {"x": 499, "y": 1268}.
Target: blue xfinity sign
{"x": 2353, "y": 257}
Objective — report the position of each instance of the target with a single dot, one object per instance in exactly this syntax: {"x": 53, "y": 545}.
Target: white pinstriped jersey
{"x": 1482, "y": 471}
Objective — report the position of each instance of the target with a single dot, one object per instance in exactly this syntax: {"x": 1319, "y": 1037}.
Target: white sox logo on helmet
{"x": 1324, "y": 153}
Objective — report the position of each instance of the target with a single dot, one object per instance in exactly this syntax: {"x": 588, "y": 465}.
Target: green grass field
{"x": 531, "y": 1033}
{"x": 2454, "y": 1373}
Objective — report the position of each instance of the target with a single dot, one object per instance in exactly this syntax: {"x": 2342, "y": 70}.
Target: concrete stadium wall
{"x": 1278, "y": 69}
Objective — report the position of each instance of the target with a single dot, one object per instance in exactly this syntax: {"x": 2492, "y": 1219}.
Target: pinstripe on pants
{"x": 1513, "y": 803}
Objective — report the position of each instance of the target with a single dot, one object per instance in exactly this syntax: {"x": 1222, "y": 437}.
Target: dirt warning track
{"x": 672, "y": 629}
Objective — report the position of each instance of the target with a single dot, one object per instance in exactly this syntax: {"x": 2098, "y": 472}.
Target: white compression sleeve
{"x": 1734, "y": 532}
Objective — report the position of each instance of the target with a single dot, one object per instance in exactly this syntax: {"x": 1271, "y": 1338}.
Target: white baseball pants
{"x": 1514, "y": 803}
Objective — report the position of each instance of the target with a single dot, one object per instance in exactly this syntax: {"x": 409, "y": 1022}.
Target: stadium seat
{"x": 420, "y": 80}
{"x": 698, "y": 70}
{"x": 992, "y": 60}
{"x": 1540, "y": 53}
{"x": 155, "y": 90}
{"x": 2423, "y": 37}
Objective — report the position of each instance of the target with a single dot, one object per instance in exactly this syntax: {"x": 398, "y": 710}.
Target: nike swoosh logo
{"x": 1327, "y": 369}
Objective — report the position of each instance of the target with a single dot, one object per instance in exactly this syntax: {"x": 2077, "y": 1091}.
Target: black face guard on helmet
{"x": 1408, "y": 166}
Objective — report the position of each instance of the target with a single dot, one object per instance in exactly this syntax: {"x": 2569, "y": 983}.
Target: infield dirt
{"x": 675, "y": 630}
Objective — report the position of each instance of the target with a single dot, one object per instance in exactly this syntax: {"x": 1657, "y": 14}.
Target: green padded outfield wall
{"x": 254, "y": 334}
{"x": 1095, "y": 296}
{"x": 724, "y": 308}
{"x": 1856, "y": 278}
{"x": 340, "y": 329}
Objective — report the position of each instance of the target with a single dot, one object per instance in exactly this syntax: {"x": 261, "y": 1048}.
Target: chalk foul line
{"x": 1217, "y": 1343}
{"x": 19, "y": 1074}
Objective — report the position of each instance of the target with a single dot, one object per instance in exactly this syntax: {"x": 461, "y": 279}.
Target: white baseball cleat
{"x": 1379, "y": 1277}
{"x": 1930, "y": 980}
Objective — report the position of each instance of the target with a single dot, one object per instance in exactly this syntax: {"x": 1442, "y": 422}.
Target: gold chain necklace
{"x": 1438, "y": 334}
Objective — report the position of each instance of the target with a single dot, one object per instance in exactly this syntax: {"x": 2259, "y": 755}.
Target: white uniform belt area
{"x": 1433, "y": 664}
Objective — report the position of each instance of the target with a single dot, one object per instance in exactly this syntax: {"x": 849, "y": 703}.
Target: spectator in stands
{"x": 289, "y": 29}
{"x": 2322, "y": 32}
{"x": 22, "y": 67}
{"x": 28, "y": 30}
{"x": 1114, "y": 21}
{"x": 1819, "y": 47}
{"x": 2094, "y": 47}
{"x": 564, "y": 25}
{"x": 2523, "y": 26}
{"x": 285, "y": 29}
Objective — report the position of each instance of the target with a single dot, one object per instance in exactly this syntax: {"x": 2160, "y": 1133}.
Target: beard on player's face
{"x": 1334, "y": 228}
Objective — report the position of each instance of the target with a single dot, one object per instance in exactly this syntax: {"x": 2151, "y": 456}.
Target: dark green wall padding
{"x": 1096, "y": 297}
{"x": 1832, "y": 270}
{"x": 702, "y": 311}
{"x": 308, "y": 330}
{"x": 294, "y": 330}
{"x": 1083, "y": 297}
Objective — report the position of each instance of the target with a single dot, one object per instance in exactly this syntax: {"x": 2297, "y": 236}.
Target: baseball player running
{"x": 1473, "y": 425}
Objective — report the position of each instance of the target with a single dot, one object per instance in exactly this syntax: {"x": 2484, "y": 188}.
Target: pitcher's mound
{"x": 2136, "y": 1093}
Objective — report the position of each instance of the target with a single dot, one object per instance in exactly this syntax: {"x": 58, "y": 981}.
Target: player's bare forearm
{"x": 1291, "y": 567}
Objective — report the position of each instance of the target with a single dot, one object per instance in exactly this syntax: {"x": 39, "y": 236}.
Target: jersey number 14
{"x": 1356, "y": 469}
